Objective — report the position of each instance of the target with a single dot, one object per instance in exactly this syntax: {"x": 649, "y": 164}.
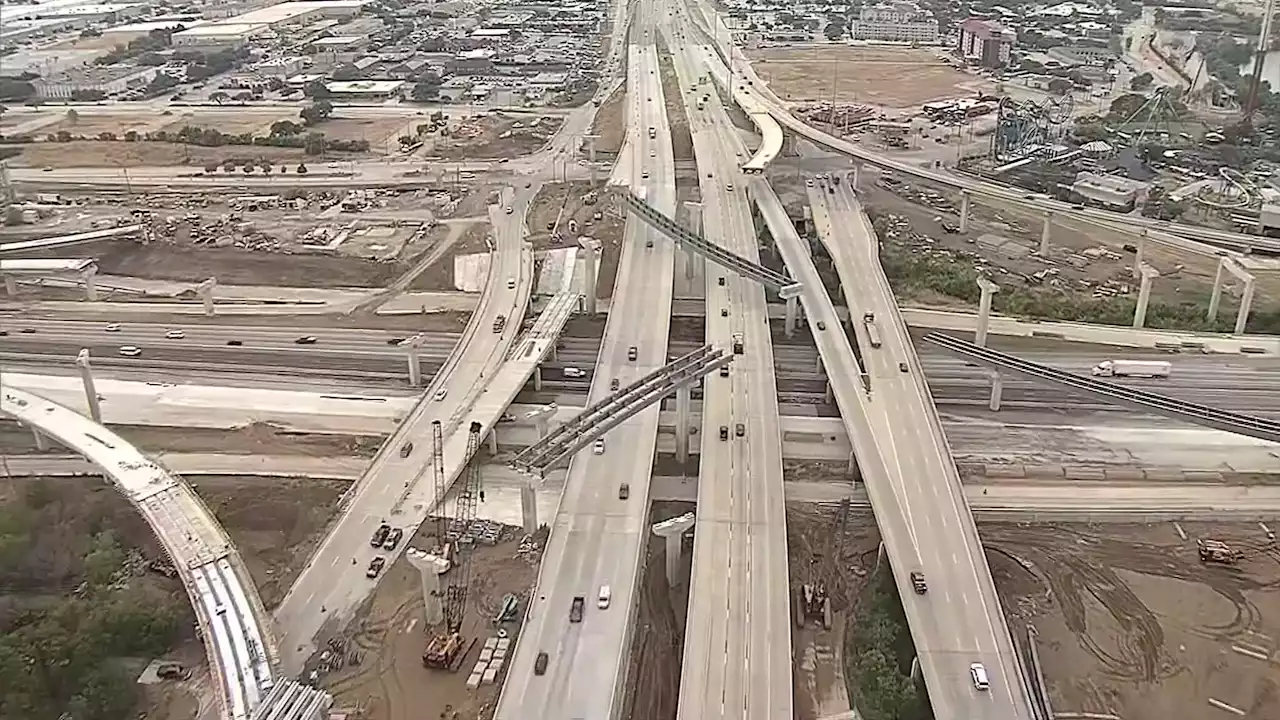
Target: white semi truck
{"x": 1133, "y": 368}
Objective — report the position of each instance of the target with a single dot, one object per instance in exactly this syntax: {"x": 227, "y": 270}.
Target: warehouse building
{"x": 1109, "y": 191}
{"x": 239, "y": 29}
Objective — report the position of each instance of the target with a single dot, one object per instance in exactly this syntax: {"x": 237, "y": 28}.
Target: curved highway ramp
{"x": 232, "y": 620}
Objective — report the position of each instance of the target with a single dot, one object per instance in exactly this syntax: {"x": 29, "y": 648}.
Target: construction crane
{"x": 443, "y": 649}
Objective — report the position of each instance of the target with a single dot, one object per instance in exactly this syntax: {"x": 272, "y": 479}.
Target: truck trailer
{"x": 1133, "y": 368}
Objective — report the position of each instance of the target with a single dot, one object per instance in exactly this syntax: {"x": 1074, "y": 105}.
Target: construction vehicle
{"x": 444, "y": 647}
{"x": 814, "y": 604}
{"x": 575, "y": 610}
{"x": 1216, "y": 551}
{"x": 442, "y": 651}
{"x": 737, "y": 343}
{"x": 917, "y": 582}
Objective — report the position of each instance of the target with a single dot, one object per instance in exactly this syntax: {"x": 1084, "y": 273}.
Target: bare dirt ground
{"x": 254, "y": 439}
{"x": 823, "y": 546}
{"x": 483, "y": 137}
{"x": 231, "y": 124}
{"x": 390, "y": 683}
{"x": 1131, "y": 623}
{"x": 93, "y": 153}
{"x": 558, "y": 203}
{"x": 105, "y": 41}
{"x": 236, "y": 266}
{"x": 681, "y": 140}
{"x": 467, "y": 238}
{"x": 654, "y": 677}
{"x": 91, "y": 125}
{"x": 382, "y": 133}
{"x": 275, "y": 526}
{"x": 891, "y": 77}
{"x": 610, "y": 123}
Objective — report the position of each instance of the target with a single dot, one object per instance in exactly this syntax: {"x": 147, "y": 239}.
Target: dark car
{"x": 632, "y": 353}
{"x": 739, "y": 429}
{"x": 917, "y": 582}
{"x": 307, "y": 340}
{"x": 405, "y": 449}
{"x": 903, "y": 367}
{"x": 394, "y": 341}
{"x": 27, "y": 331}
{"x": 624, "y": 491}
{"x": 375, "y": 567}
{"x": 393, "y": 539}
{"x": 540, "y": 665}
{"x": 380, "y": 535}
{"x": 724, "y": 432}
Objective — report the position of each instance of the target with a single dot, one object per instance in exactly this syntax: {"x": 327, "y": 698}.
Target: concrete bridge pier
{"x": 430, "y": 567}
{"x": 90, "y": 390}
{"x": 415, "y": 369}
{"x": 10, "y": 285}
{"x": 529, "y": 506}
{"x": 793, "y": 313}
{"x": 90, "y": 289}
{"x": 38, "y": 437}
{"x": 205, "y": 292}
{"x": 988, "y": 289}
{"x": 493, "y": 441}
{"x": 537, "y": 379}
{"x": 997, "y": 388}
{"x": 672, "y": 531}
{"x": 965, "y": 200}
{"x": 589, "y": 263}
{"x": 1046, "y": 231}
{"x": 1139, "y": 256}
{"x": 684, "y": 406}
{"x": 1144, "y": 295}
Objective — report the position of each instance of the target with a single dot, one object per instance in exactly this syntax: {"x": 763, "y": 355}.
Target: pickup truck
{"x": 575, "y": 610}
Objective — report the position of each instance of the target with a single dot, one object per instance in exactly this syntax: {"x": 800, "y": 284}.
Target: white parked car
{"x": 573, "y": 372}
{"x": 130, "y": 351}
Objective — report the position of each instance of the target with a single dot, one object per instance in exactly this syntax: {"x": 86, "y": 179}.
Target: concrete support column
{"x": 589, "y": 274}
{"x": 817, "y": 366}
{"x": 693, "y": 262}
{"x": 1144, "y": 295}
{"x": 1246, "y": 304}
{"x": 90, "y": 390}
{"x": 415, "y": 369}
{"x": 880, "y": 555}
{"x": 853, "y": 465}
{"x": 205, "y": 292}
{"x": 684, "y": 406}
{"x": 38, "y": 437}
{"x": 90, "y": 288}
{"x": 855, "y": 176}
{"x": 10, "y": 286}
{"x": 1045, "y": 231}
{"x": 828, "y": 394}
{"x": 997, "y": 388}
{"x": 915, "y": 669}
{"x": 672, "y": 531}
{"x": 1215, "y": 296}
{"x": 1139, "y": 256}
{"x": 493, "y": 441}
{"x": 793, "y": 311}
{"x": 529, "y": 507}
{"x": 552, "y": 355}
{"x": 988, "y": 289}
{"x": 430, "y": 568}
{"x": 965, "y": 200}
{"x": 537, "y": 379}
{"x": 541, "y": 424}
{"x": 591, "y": 147}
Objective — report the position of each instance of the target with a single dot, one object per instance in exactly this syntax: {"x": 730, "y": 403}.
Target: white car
{"x": 130, "y": 351}
{"x": 511, "y": 283}
{"x": 113, "y": 327}
{"x": 441, "y": 393}
{"x": 598, "y": 448}
{"x": 175, "y": 335}
{"x": 606, "y": 596}
{"x": 573, "y": 372}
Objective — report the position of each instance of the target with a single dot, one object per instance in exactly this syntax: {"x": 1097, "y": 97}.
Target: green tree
{"x": 316, "y": 113}
{"x": 1141, "y": 82}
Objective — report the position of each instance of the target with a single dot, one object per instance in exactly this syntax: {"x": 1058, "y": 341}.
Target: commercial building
{"x": 1108, "y": 191}
{"x": 897, "y": 22}
{"x": 982, "y": 42}
{"x": 239, "y": 29}
{"x": 367, "y": 89}
{"x": 110, "y": 79}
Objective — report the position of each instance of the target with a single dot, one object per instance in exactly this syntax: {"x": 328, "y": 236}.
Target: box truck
{"x": 1133, "y": 368}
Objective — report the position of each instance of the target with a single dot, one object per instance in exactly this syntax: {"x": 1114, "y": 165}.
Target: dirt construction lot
{"x": 1131, "y": 623}
{"x": 93, "y": 153}
{"x": 890, "y": 77}
{"x": 382, "y": 133}
{"x": 390, "y": 682}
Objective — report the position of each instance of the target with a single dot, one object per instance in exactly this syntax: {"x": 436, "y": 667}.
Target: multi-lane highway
{"x": 597, "y": 537}
{"x": 737, "y": 649}
{"x": 333, "y": 585}
{"x": 959, "y": 621}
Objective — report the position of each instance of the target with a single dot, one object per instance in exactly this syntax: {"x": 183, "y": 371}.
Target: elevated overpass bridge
{"x": 235, "y": 627}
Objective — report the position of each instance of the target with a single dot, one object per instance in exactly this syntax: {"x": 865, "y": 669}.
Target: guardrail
{"x": 1130, "y": 397}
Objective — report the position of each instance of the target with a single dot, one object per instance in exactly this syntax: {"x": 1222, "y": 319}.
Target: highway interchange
{"x": 737, "y": 642}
